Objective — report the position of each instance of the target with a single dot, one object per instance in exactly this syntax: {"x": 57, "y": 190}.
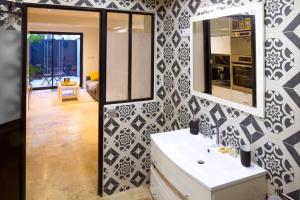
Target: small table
{"x": 73, "y": 88}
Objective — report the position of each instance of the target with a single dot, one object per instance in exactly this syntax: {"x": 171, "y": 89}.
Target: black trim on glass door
{"x": 23, "y": 103}
{"x": 152, "y": 54}
{"x": 129, "y": 82}
{"x": 128, "y": 101}
{"x": 81, "y": 54}
{"x": 102, "y": 99}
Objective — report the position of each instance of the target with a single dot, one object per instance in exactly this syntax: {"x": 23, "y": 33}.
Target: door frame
{"x": 81, "y": 53}
{"x": 102, "y": 66}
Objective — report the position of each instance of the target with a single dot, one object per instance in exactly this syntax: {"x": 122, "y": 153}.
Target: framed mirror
{"x": 227, "y": 57}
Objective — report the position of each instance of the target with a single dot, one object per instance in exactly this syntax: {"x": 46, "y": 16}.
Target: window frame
{"x": 81, "y": 34}
{"x": 129, "y": 85}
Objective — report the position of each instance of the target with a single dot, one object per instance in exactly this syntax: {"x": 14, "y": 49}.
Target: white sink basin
{"x": 218, "y": 171}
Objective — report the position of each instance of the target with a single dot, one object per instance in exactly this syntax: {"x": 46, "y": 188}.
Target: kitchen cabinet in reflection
{"x": 231, "y": 71}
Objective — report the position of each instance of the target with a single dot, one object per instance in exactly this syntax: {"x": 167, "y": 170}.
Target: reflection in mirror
{"x": 226, "y": 47}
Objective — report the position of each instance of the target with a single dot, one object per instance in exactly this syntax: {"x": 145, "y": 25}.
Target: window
{"x": 54, "y": 56}
{"x": 129, "y": 64}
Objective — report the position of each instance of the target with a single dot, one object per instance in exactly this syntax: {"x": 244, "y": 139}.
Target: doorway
{"x": 106, "y": 18}
{"x": 53, "y": 56}
{"x": 62, "y": 133}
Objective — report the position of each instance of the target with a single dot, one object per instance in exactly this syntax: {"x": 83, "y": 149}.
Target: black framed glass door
{"x": 54, "y": 56}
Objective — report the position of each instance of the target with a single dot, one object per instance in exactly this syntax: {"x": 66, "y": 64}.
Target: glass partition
{"x": 141, "y": 56}
{"x": 129, "y": 66}
{"x": 117, "y": 57}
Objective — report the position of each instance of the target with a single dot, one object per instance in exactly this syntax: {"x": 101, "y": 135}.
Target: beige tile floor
{"x": 62, "y": 148}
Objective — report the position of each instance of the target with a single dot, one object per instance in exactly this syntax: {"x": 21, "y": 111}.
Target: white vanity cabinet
{"x": 171, "y": 181}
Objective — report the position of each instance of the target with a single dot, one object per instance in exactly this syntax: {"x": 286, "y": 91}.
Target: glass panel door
{"x": 40, "y": 60}
{"x": 66, "y": 54}
{"x": 58, "y": 54}
{"x": 54, "y": 57}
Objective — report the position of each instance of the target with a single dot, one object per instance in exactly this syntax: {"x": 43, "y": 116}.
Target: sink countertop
{"x": 218, "y": 171}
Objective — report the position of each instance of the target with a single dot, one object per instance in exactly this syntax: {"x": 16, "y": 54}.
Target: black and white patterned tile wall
{"x": 127, "y": 133}
{"x": 275, "y": 139}
{"x": 10, "y": 65}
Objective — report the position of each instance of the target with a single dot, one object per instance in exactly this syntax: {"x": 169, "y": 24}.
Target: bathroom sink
{"x": 214, "y": 171}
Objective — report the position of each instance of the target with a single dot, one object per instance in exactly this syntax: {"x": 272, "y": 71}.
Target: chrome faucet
{"x": 214, "y": 131}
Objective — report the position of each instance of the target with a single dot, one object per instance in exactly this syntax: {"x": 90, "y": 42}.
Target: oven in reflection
{"x": 231, "y": 73}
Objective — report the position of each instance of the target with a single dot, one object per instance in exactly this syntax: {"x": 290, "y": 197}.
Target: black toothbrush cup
{"x": 245, "y": 155}
{"x": 194, "y": 126}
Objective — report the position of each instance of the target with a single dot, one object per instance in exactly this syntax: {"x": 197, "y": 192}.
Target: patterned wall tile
{"x": 251, "y": 129}
{"x": 129, "y": 167}
{"x": 183, "y": 85}
{"x": 232, "y": 135}
{"x": 206, "y": 124}
{"x": 218, "y": 115}
{"x": 194, "y": 106}
{"x": 282, "y": 98}
{"x": 126, "y": 154}
{"x": 292, "y": 87}
{"x": 169, "y": 53}
{"x": 278, "y": 114}
{"x": 292, "y": 144}
{"x": 279, "y": 170}
{"x": 10, "y": 22}
{"x": 184, "y": 54}
{"x": 291, "y": 33}
{"x": 184, "y": 20}
{"x": 10, "y": 66}
{"x": 184, "y": 116}
{"x": 150, "y": 109}
{"x": 276, "y": 11}
{"x": 279, "y": 59}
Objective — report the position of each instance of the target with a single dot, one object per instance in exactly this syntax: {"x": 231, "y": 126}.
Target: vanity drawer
{"x": 156, "y": 187}
{"x": 160, "y": 189}
{"x": 187, "y": 188}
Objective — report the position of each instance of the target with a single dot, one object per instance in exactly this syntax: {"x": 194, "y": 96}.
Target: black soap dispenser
{"x": 245, "y": 152}
{"x": 194, "y": 126}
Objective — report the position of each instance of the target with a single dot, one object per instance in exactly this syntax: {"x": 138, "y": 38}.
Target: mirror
{"x": 228, "y": 57}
